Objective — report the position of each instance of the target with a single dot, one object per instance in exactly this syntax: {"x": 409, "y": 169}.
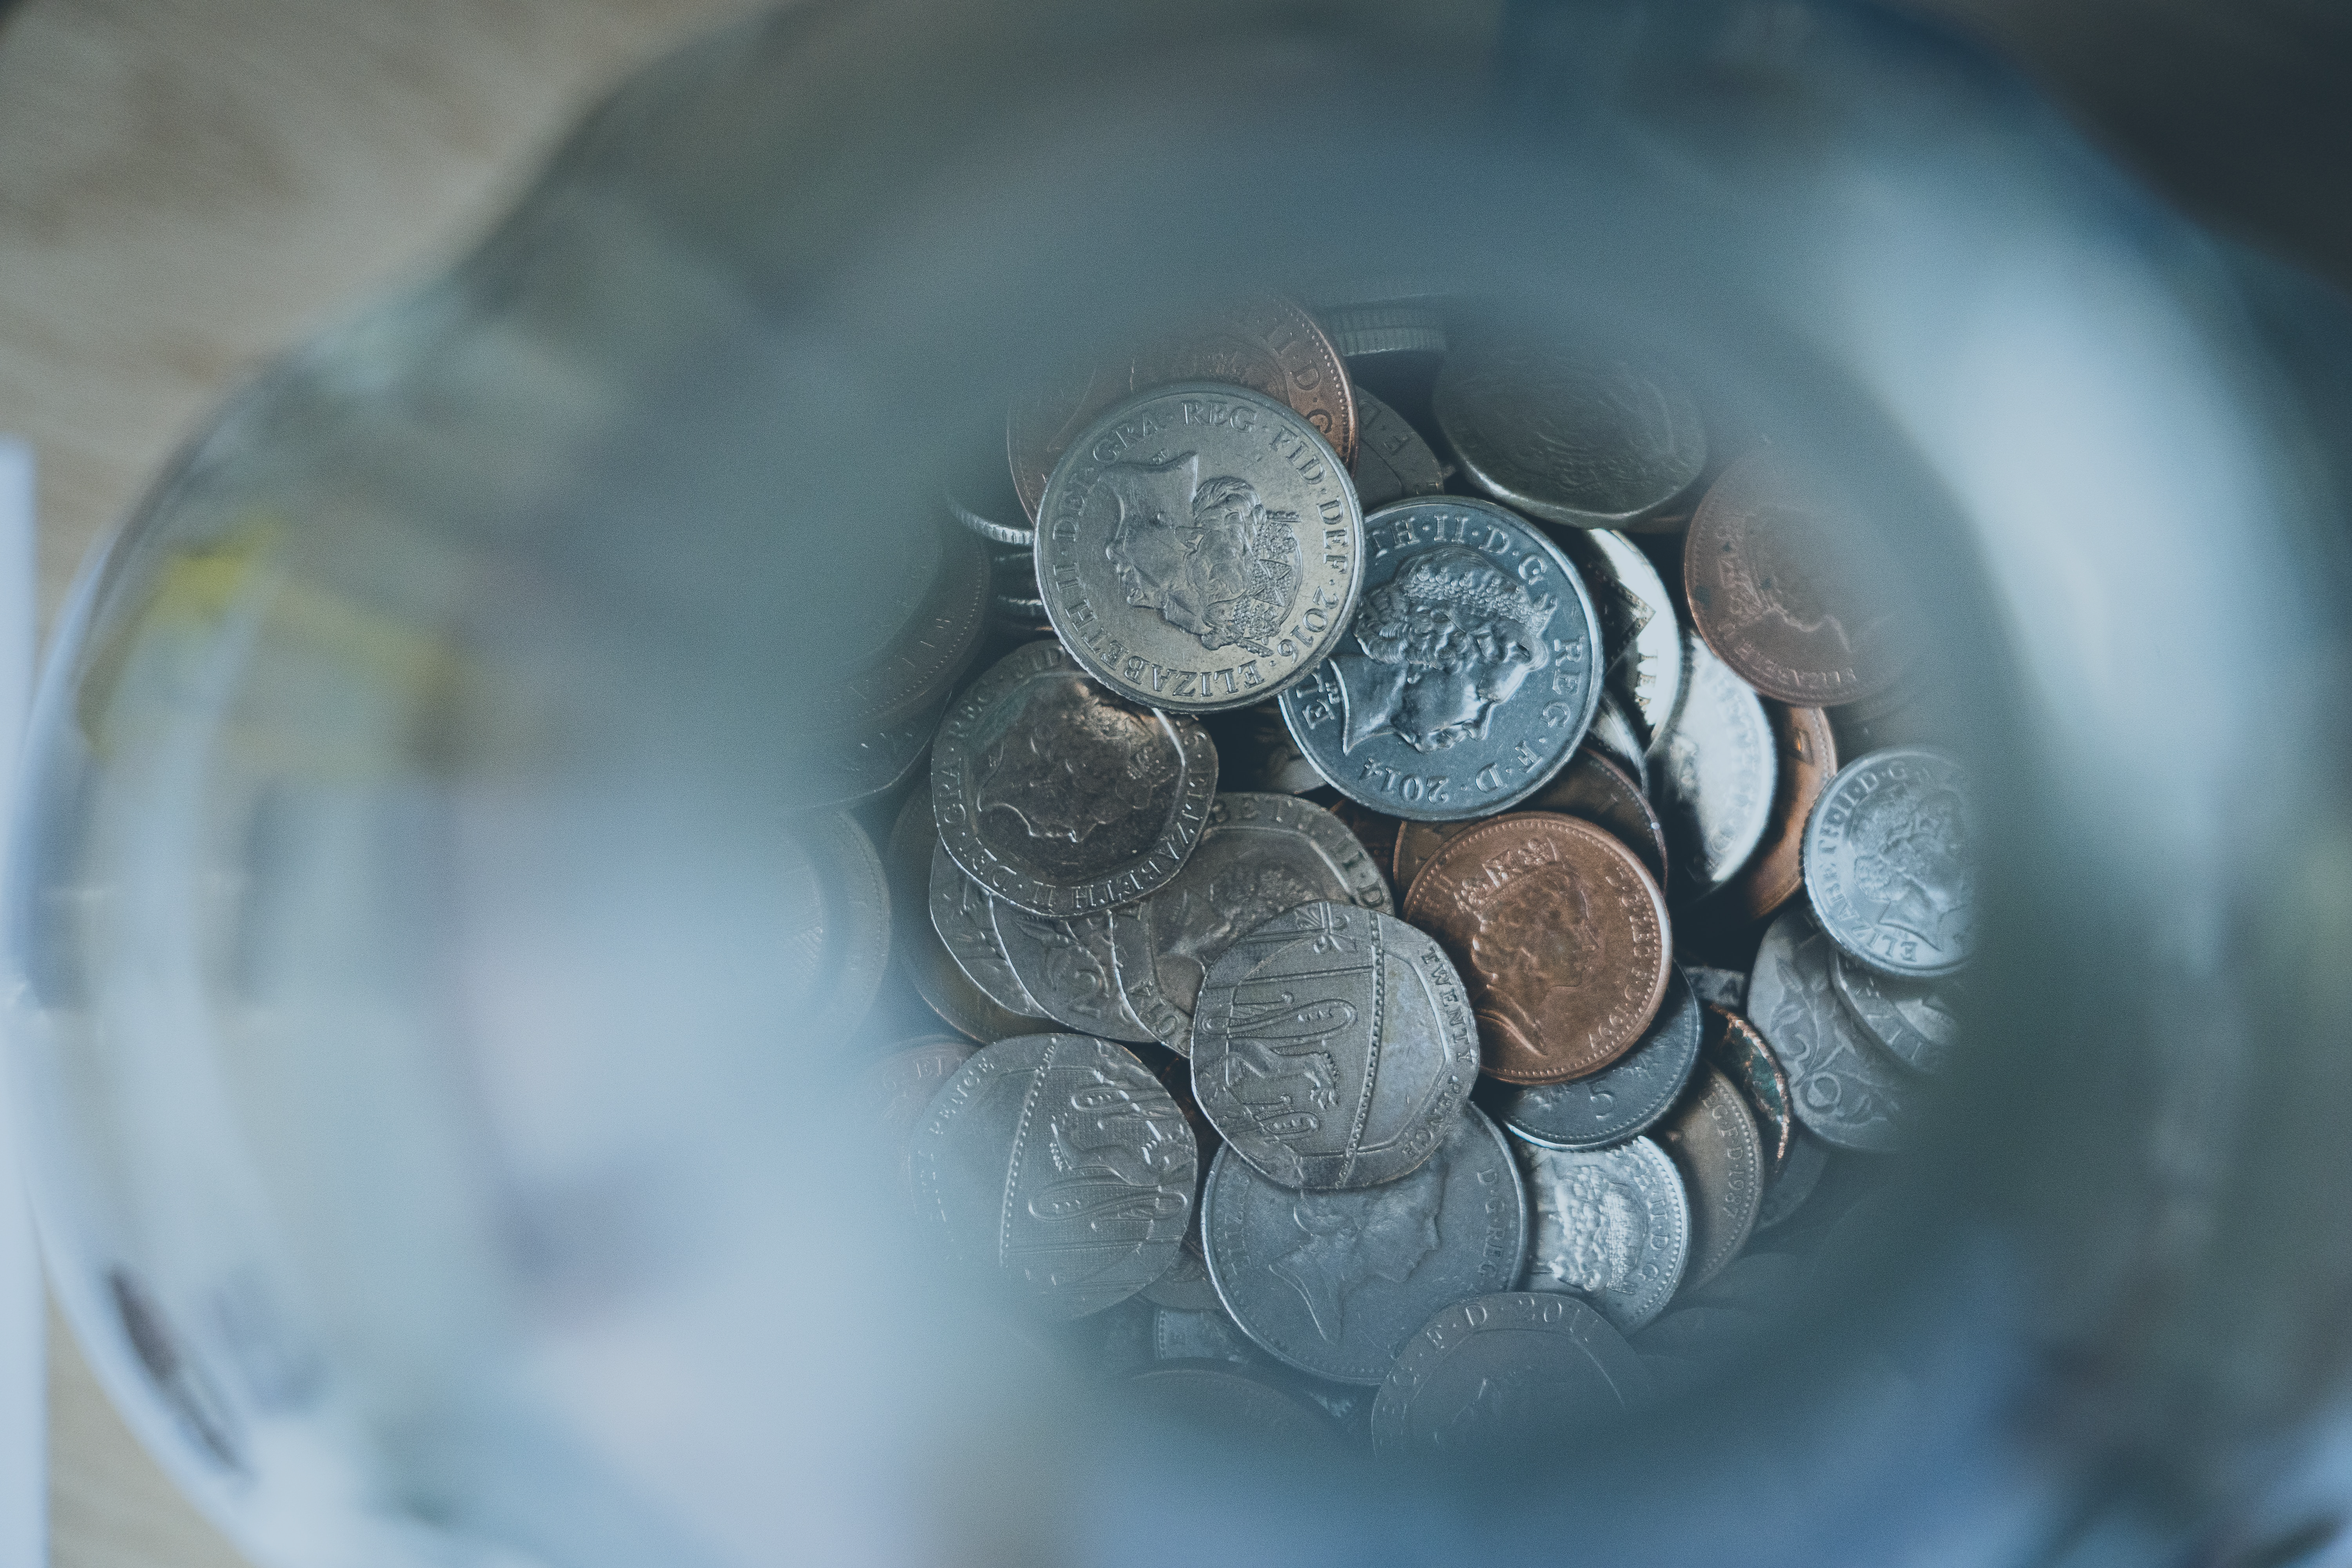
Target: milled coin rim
{"x": 1196, "y": 752}
{"x": 1341, "y": 615}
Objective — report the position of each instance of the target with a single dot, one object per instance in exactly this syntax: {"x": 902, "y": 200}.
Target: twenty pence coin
{"x": 1561, "y": 935}
{"x": 1915, "y": 1020}
{"x": 918, "y": 943}
{"x": 1259, "y": 855}
{"x": 1057, "y": 796}
{"x": 1640, "y": 641}
{"x": 1060, "y": 1165}
{"x": 1335, "y": 1283}
{"x": 1334, "y": 1047}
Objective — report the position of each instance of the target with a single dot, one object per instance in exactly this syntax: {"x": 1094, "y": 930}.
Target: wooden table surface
{"x": 188, "y": 187}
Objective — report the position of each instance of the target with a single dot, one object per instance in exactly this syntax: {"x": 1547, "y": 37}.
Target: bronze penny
{"x": 1809, "y": 759}
{"x": 1267, "y": 343}
{"x": 1803, "y": 605}
{"x": 1590, "y": 787}
{"x": 1561, "y": 935}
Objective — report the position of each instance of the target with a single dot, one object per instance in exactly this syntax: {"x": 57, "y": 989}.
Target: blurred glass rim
{"x": 797, "y": 257}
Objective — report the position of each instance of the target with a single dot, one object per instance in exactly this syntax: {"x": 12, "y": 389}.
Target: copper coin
{"x": 1809, "y": 759}
{"x": 1561, "y": 936}
{"x": 1803, "y": 605}
{"x": 1590, "y": 787}
{"x": 1266, "y": 343}
{"x": 1738, "y": 1050}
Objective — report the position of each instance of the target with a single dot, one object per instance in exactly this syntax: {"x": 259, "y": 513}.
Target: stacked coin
{"x": 1307, "y": 868}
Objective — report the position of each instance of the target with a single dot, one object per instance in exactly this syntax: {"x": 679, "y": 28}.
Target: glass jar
{"x": 439, "y": 1161}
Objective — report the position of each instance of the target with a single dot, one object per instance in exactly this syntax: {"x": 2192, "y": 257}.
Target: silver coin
{"x": 1613, "y": 735}
{"x": 1624, "y": 1098}
{"x": 1724, "y": 988}
{"x": 1641, "y": 645}
{"x": 1071, "y": 967}
{"x": 1913, "y": 1020}
{"x": 1198, "y": 547}
{"x": 1612, "y": 1225}
{"x": 1259, "y": 855}
{"x": 1060, "y": 1162}
{"x": 1800, "y": 1173}
{"x": 1392, "y": 461}
{"x": 1887, "y": 862}
{"x": 1225, "y": 1402}
{"x": 1335, "y": 1283}
{"x": 1334, "y": 1047}
{"x": 1590, "y": 439}
{"x": 1841, "y": 1085}
{"x": 834, "y": 941}
{"x": 965, "y": 917}
{"x": 1390, "y": 328}
{"x": 1713, "y": 1141}
{"x": 1467, "y": 678}
{"x": 1060, "y": 798}
{"x": 1515, "y": 1371}
{"x": 1714, "y": 777}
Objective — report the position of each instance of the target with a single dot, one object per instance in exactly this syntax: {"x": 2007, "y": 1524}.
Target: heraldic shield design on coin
{"x": 1198, "y": 546}
{"x": 1469, "y": 674}
{"x": 1334, "y": 1047}
{"x": 1063, "y": 1163}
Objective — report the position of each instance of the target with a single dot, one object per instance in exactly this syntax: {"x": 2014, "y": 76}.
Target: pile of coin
{"x": 1419, "y": 972}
